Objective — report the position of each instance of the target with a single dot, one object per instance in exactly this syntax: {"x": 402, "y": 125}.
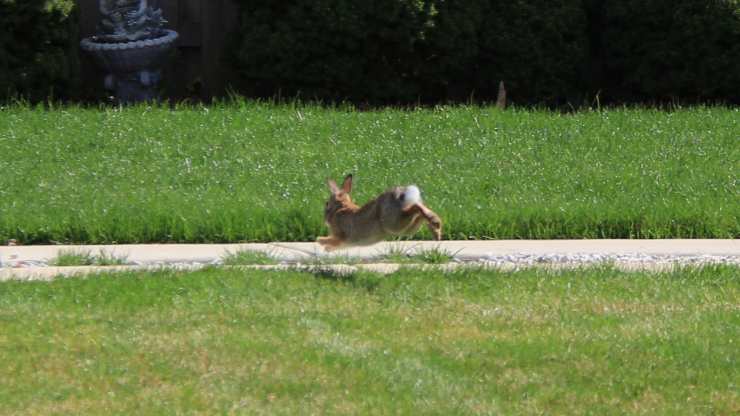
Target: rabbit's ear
{"x": 347, "y": 184}
{"x": 332, "y": 186}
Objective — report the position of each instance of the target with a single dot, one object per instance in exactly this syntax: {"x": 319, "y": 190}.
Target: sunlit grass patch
{"x": 394, "y": 253}
{"x": 72, "y": 258}
{"x": 87, "y": 258}
{"x": 248, "y": 257}
{"x": 434, "y": 255}
{"x": 406, "y": 255}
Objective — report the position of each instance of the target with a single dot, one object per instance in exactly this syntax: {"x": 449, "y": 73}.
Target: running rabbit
{"x": 397, "y": 211}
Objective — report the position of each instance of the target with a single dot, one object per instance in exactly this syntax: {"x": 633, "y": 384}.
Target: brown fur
{"x": 384, "y": 216}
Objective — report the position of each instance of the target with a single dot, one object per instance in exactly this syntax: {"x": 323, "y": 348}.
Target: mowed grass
{"x": 248, "y": 171}
{"x": 219, "y": 341}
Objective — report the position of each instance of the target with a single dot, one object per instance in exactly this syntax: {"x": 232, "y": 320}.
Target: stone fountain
{"x": 131, "y": 46}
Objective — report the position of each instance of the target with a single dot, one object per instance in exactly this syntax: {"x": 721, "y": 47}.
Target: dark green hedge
{"x": 407, "y": 50}
{"x": 538, "y": 47}
{"x": 668, "y": 50}
{"x": 38, "y": 49}
{"x": 352, "y": 50}
{"x": 553, "y": 52}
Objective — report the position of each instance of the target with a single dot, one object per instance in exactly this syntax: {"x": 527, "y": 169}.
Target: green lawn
{"x": 220, "y": 341}
{"x": 247, "y": 171}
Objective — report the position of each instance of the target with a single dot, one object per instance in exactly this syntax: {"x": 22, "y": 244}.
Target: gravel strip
{"x": 586, "y": 259}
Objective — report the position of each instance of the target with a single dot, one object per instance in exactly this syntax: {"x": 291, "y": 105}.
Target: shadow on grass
{"x": 357, "y": 279}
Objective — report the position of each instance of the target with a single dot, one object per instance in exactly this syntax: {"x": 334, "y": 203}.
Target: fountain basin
{"x": 123, "y": 57}
{"x": 133, "y": 67}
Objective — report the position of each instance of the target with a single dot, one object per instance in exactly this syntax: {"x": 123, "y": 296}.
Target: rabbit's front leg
{"x": 329, "y": 243}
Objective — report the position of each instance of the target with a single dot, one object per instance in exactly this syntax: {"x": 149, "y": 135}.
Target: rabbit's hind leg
{"x": 433, "y": 221}
{"x": 414, "y": 225}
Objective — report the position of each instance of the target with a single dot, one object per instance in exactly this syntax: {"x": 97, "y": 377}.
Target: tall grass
{"x": 248, "y": 171}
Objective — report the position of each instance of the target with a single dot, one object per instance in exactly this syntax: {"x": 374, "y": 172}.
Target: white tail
{"x": 411, "y": 196}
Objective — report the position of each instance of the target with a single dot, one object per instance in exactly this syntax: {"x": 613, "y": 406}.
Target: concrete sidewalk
{"x": 33, "y": 262}
{"x": 144, "y": 254}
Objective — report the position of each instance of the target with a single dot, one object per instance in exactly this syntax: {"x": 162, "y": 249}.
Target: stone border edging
{"x": 53, "y": 273}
